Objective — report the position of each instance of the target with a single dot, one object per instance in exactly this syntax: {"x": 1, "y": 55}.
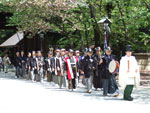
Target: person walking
{"x": 6, "y": 63}
{"x": 108, "y": 79}
{"x": 1, "y": 63}
{"x": 88, "y": 69}
{"x": 97, "y": 80}
{"x": 23, "y": 64}
{"x": 71, "y": 70}
{"x": 129, "y": 74}
{"x": 50, "y": 66}
{"x": 18, "y": 65}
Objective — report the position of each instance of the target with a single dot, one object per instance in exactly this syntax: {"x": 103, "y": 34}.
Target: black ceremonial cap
{"x": 128, "y": 48}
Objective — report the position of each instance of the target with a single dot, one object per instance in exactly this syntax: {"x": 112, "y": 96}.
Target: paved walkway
{"x": 22, "y": 96}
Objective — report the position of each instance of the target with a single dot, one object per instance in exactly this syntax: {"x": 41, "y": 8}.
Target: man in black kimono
{"x": 63, "y": 78}
{"x": 50, "y": 66}
{"x": 28, "y": 66}
{"x": 40, "y": 64}
{"x": 109, "y": 82}
{"x": 23, "y": 64}
{"x": 97, "y": 80}
{"x": 89, "y": 66}
{"x": 79, "y": 75}
{"x": 33, "y": 66}
{"x": 82, "y": 77}
{"x": 18, "y": 65}
{"x": 57, "y": 67}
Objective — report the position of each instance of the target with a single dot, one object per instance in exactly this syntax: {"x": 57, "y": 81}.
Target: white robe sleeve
{"x": 137, "y": 75}
{"x": 122, "y": 77}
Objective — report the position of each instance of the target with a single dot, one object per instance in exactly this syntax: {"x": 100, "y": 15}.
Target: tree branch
{"x": 147, "y": 6}
{"x": 122, "y": 18}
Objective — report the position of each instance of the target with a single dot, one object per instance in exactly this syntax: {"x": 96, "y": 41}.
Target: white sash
{"x": 70, "y": 69}
{"x": 61, "y": 66}
{"x": 69, "y": 65}
{"x": 49, "y": 65}
{"x": 55, "y": 67}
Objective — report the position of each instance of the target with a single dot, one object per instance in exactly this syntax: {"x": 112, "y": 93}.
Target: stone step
{"x": 144, "y": 77}
{"x": 145, "y": 83}
{"x": 145, "y": 73}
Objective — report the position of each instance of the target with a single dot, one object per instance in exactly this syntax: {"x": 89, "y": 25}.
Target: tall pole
{"x": 105, "y": 37}
{"x": 105, "y": 22}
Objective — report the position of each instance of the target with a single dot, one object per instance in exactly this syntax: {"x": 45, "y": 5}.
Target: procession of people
{"x": 70, "y": 69}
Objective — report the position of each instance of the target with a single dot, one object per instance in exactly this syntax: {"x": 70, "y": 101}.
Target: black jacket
{"x": 33, "y": 62}
{"x": 52, "y": 63}
{"x": 30, "y": 62}
{"x": 23, "y": 60}
{"x": 88, "y": 66}
{"x": 18, "y": 61}
{"x": 81, "y": 62}
{"x": 105, "y": 66}
{"x": 98, "y": 69}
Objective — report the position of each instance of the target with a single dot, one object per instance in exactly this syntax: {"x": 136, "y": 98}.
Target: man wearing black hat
{"x": 129, "y": 75}
{"x": 88, "y": 69}
{"x": 108, "y": 79}
{"x": 97, "y": 80}
{"x": 81, "y": 65}
{"x": 50, "y": 66}
{"x": 71, "y": 69}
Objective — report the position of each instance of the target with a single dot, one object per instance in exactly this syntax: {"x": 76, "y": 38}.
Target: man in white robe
{"x": 129, "y": 75}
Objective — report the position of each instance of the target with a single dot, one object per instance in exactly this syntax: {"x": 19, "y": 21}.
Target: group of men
{"x": 70, "y": 69}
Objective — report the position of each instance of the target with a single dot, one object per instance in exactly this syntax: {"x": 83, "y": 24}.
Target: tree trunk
{"x": 147, "y": 6}
{"x": 86, "y": 35}
{"x": 95, "y": 25}
{"x": 82, "y": 43}
{"x": 123, "y": 21}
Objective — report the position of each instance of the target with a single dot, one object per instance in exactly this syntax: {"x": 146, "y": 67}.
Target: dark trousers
{"x": 97, "y": 82}
{"x": 1, "y": 66}
{"x": 112, "y": 85}
{"x": 105, "y": 86}
{"x": 49, "y": 76}
{"x": 18, "y": 71}
{"x": 72, "y": 82}
{"x": 28, "y": 75}
{"x": 109, "y": 85}
{"x": 128, "y": 91}
{"x": 23, "y": 74}
{"x": 89, "y": 81}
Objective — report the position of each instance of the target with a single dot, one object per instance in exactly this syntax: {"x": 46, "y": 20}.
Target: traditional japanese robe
{"x": 97, "y": 80}
{"x": 132, "y": 77}
{"x": 69, "y": 67}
